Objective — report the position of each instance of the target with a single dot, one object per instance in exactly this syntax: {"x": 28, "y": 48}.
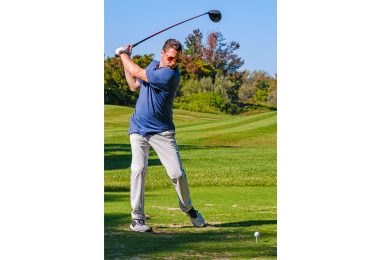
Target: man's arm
{"x": 132, "y": 68}
{"x": 132, "y": 82}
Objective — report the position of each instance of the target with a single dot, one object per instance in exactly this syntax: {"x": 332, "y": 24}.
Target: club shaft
{"x": 166, "y": 29}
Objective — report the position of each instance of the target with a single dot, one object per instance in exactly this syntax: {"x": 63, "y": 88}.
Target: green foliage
{"x": 193, "y": 67}
{"x": 191, "y": 86}
{"x": 261, "y": 95}
{"x": 206, "y": 103}
{"x": 116, "y": 88}
{"x": 143, "y": 61}
{"x": 261, "y": 105}
{"x": 262, "y": 85}
{"x": 237, "y": 80}
{"x": 221, "y": 86}
{"x": 258, "y": 86}
{"x": 193, "y": 42}
{"x": 207, "y": 85}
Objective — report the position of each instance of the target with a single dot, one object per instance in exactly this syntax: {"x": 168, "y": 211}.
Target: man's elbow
{"x": 135, "y": 88}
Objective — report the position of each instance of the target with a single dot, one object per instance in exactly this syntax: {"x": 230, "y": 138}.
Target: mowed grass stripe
{"x": 260, "y": 137}
{"x": 212, "y": 126}
{"x": 248, "y": 127}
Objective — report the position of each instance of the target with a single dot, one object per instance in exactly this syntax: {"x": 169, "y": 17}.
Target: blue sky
{"x": 251, "y": 23}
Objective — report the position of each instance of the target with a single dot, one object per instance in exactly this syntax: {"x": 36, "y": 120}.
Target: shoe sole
{"x": 131, "y": 227}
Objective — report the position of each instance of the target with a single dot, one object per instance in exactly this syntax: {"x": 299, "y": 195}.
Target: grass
{"x": 233, "y": 215}
{"x": 237, "y": 151}
{"x": 228, "y": 160}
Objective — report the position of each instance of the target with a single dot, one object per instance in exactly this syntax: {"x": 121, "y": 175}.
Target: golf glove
{"x": 120, "y": 50}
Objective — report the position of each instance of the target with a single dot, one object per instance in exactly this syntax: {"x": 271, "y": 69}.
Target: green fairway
{"x": 231, "y": 165}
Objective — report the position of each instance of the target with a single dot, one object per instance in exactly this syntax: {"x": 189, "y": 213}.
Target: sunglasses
{"x": 176, "y": 60}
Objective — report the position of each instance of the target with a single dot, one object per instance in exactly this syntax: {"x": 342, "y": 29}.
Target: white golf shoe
{"x": 196, "y": 218}
{"x": 139, "y": 225}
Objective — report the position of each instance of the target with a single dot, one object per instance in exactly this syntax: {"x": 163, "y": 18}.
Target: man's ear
{"x": 162, "y": 53}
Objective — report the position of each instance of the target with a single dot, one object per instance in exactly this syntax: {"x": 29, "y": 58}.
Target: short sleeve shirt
{"x": 154, "y": 108}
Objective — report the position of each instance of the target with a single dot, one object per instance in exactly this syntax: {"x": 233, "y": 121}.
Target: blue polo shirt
{"x": 154, "y": 108}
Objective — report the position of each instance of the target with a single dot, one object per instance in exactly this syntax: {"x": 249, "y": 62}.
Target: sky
{"x": 253, "y": 24}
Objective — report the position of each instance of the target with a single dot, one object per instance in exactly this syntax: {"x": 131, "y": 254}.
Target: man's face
{"x": 170, "y": 58}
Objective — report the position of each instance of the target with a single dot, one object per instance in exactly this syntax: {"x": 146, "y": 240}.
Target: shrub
{"x": 261, "y": 95}
{"x": 272, "y": 108}
{"x": 206, "y": 103}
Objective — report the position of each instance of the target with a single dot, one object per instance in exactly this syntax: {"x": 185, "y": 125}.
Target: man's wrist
{"x": 123, "y": 53}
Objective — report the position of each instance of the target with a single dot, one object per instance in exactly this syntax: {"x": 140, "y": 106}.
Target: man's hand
{"x": 120, "y": 50}
{"x": 128, "y": 50}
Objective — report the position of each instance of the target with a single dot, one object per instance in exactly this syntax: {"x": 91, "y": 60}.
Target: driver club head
{"x": 215, "y": 16}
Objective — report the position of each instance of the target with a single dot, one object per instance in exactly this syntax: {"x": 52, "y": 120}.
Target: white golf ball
{"x": 257, "y": 234}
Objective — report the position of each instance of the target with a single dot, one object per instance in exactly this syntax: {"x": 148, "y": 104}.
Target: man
{"x": 152, "y": 125}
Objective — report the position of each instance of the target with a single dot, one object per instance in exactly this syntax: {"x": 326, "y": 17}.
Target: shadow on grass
{"x": 197, "y": 147}
{"x": 231, "y": 240}
{"x": 247, "y": 223}
{"x": 207, "y": 245}
{"x": 123, "y": 161}
{"x": 187, "y": 243}
{"x": 117, "y": 197}
{"x": 108, "y": 148}
{"x": 250, "y": 223}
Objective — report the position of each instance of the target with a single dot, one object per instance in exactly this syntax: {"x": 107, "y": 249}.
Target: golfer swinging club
{"x": 152, "y": 125}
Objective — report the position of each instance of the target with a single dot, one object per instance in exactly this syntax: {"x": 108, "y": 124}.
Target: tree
{"x": 261, "y": 95}
{"x": 116, "y": 88}
{"x": 223, "y": 86}
{"x": 247, "y": 89}
{"x": 220, "y": 54}
{"x": 193, "y": 67}
{"x": 193, "y": 43}
{"x": 260, "y": 75}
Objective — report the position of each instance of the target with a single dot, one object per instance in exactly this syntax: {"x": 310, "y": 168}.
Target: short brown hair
{"x": 172, "y": 43}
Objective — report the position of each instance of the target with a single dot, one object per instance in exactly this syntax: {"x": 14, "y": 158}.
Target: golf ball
{"x": 257, "y": 234}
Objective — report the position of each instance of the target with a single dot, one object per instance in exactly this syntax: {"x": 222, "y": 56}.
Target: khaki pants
{"x": 166, "y": 148}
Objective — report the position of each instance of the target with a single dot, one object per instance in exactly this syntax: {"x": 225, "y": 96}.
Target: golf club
{"x": 214, "y": 15}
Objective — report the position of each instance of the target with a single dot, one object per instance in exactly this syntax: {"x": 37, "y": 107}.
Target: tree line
{"x": 209, "y": 67}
